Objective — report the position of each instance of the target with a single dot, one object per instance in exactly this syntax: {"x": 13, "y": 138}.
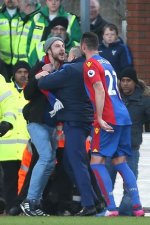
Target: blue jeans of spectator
{"x": 44, "y": 139}
{"x": 125, "y": 207}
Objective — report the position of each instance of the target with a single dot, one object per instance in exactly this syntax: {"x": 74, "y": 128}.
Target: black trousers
{"x": 10, "y": 181}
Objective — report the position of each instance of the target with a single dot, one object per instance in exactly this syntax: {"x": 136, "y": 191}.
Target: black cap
{"x": 21, "y": 64}
{"x": 129, "y": 72}
{"x": 59, "y": 21}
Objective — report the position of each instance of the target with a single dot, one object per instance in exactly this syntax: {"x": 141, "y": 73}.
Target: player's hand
{"x": 105, "y": 126}
{"x": 41, "y": 74}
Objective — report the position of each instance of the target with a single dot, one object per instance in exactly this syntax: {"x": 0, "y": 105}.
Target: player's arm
{"x": 99, "y": 98}
{"x": 99, "y": 101}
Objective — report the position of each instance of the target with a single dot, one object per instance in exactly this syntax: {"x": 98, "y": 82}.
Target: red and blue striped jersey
{"x": 99, "y": 69}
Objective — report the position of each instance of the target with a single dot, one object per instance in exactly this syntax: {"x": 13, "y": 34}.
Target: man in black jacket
{"x": 77, "y": 116}
{"x": 41, "y": 127}
{"x": 96, "y": 21}
{"x": 136, "y": 96}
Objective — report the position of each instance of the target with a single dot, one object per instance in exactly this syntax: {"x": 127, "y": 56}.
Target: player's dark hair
{"x": 91, "y": 40}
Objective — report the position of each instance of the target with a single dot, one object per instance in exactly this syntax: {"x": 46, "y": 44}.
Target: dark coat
{"x": 38, "y": 104}
{"x": 118, "y": 54}
{"x": 138, "y": 105}
{"x": 68, "y": 85}
{"x": 97, "y": 27}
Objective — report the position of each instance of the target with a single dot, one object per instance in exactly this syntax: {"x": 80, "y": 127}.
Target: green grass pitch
{"x": 54, "y": 220}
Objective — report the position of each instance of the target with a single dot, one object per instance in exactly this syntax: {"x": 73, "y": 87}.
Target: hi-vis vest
{"x": 39, "y": 28}
{"x": 23, "y": 40}
{"x": 20, "y": 50}
{"x": 60, "y": 135}
{"x": 14, "y": 141}
{"x": 25, "y": 164}
{"x": 7, "y": 103}
{"x": 8, "y": 35}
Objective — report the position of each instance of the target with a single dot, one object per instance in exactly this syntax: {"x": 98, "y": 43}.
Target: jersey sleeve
{"x": 92, "y": 72}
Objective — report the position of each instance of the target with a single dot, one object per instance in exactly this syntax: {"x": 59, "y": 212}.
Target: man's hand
{"x": 57, "y": 106}
{"x": 48, "y": 67}
{"x": 105, "y": 126}
{"x": 5, "y": 127}
{"x": 41, "y": 74}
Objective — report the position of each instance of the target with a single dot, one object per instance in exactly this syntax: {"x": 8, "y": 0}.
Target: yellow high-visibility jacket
{"x": 13, "y": 143}
{"x": 8, "y": 34}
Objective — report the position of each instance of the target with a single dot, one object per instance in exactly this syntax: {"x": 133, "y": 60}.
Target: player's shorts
{"x": 114, "y": 144}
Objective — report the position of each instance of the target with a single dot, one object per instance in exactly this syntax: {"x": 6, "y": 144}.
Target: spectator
{"x": 28, "y": 9}
{"x": 136, "y": 96}
{"x": 9, "y": 18}
{"x": 12, "y": 143}
{"x": 41, "y": 126}
{"x": 58, "y": 29}
{"x": 7, "y": 120}
{"x": 114, "y": 50}
{"x": 43, "y": 20}
{"x": 111, "y": 133}
{"x": 96, "y": 21}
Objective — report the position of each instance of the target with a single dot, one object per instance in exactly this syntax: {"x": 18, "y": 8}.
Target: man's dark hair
{"x": 111, "y": 27}
{"x": 91, "y": 40}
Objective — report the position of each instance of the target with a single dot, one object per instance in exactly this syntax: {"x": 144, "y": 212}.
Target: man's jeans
{"x": 44, "y": 139}
{"x": 125, "y": 207}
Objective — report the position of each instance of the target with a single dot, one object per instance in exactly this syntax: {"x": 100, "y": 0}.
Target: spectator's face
{"x": 11, "y": 4}
{"x": 59, "y": 31}
{"x": 25, "y": 7}
{"x": 57, "y": 51}
{"x": 94, "y": 9}
{"x": 53, "y": 5}
{"x": 127, "y": 85}
{"x": 109, "y": 36}
{"x": 21, "y": 76}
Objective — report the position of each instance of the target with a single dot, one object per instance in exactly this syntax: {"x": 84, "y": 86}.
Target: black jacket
{"x": 138, "y": 105}
{"x": 35, "y": 110}
{"x": 68, "y": 85}
{"x": 98, "y": 26}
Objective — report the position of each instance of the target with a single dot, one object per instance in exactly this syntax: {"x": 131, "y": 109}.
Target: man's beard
{"x": 56, "y": 58}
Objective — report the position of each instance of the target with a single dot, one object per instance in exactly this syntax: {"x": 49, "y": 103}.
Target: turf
{"x": 52, "y": 220}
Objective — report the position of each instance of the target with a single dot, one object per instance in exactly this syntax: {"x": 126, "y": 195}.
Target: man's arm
{"x": 99, "y": 101}
{"x": 54, "y": 80}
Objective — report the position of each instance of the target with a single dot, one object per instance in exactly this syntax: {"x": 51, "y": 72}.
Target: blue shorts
{"x": 114, "y": 144}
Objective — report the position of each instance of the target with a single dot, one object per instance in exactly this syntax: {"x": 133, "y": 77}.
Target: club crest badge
{"x": 91, "y": 73}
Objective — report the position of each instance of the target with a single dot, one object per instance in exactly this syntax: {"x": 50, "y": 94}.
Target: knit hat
{"x": 129, "y": 72}
{"x": 59, "y": 21}
{"x": 50, "y": 41}
{"x": 21, "y": 64}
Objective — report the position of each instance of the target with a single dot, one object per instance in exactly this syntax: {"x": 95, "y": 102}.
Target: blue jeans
{"x": 125, "y": 207}
{"x": 44, "y": 139}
